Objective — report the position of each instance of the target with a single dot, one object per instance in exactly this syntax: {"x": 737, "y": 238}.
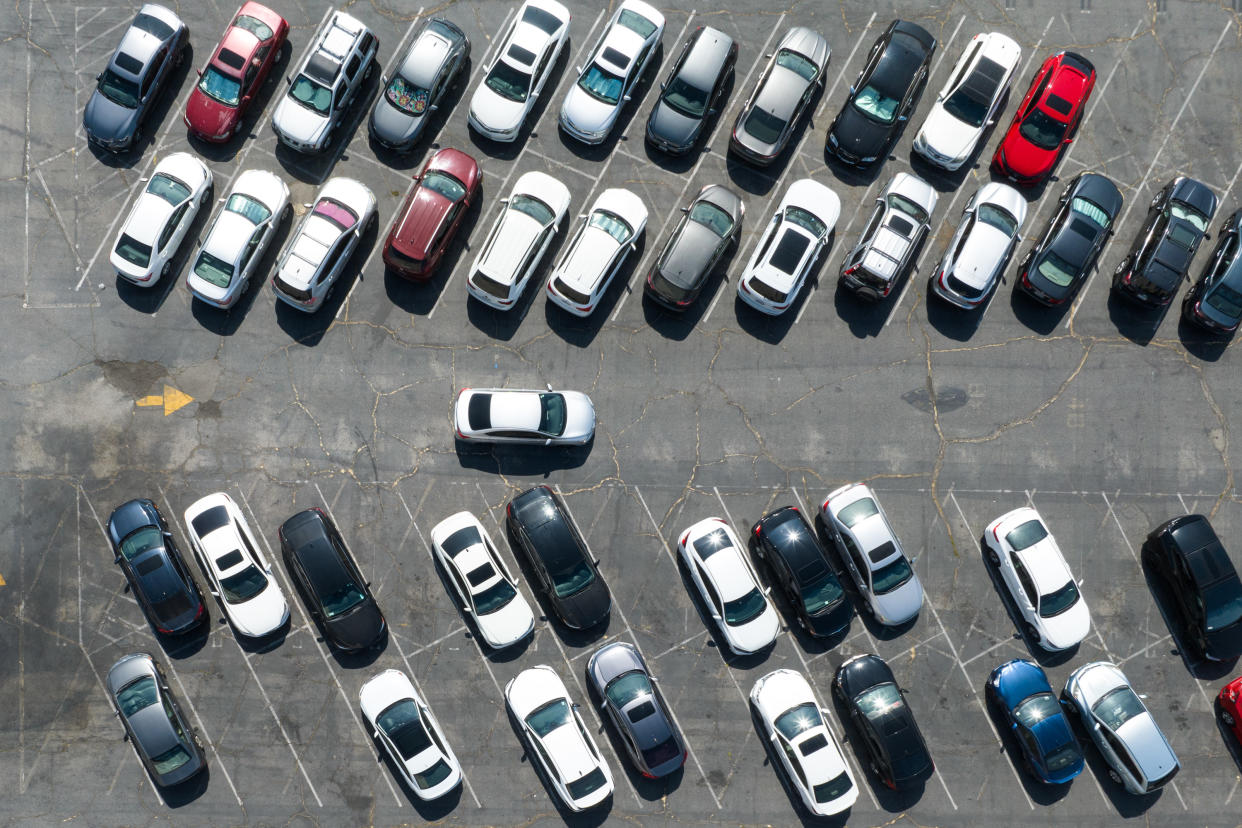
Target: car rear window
{"x": 541, "y": 19}
{"x": 593, "y": 781}
{"x": 711, "y": 543}
{"x": 253, "y": 25}
{"x": 153, "y": 25}
{"x": 480, "y": 411}
{"x": 133, "y": 251}
{"x": 640, "y": 25}
{"x": 575, "y": 296}
{"x": 210, "y": 520}
{"x": 833, "y": 789}
{"x": 1026, "y": 534}
{"x": 857, "y": 512}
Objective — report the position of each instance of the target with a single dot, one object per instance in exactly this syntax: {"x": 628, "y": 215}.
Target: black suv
{"x": 787, "y": 543}
{"x": 146, "y": 552}
{"x": 1202, "y": 582}
{"x": 1160, "y": 257}
{"x": 337, "y": 595}
{"x": 566, "y": 570}
{"x": 878, "y": 711}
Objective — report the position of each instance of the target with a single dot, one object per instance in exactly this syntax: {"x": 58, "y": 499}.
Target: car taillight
{"x": 163, "y": 630}
{"x": 758, "y": 530}
{"x": 647, "y": 775}
{"x": 685, "y": 535}
{"x": 850, "y": 270}
{"x": 1026, "y": 282}
{"x": 202, "y": 608}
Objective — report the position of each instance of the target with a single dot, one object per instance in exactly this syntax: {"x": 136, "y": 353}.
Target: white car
{"x": 405, "y": 727}
{"x": 969, "y": 101}
{"x": 524, "y": 415}
{"x": 520, "y": 68}
{"x": 528, "y": 221}
{"x": 802, "y": 741}
{"x": 595, "y": 253}
{"x": 788, "y": 247}
{"x": 984, "y": 241}
{"x": 721, "y": 570}
{"x": 237, "y": 573}
{"x": 324, "y": 243}
{"x": 238, "y": 238}
{"x": 179, "y": 187}
{"x": 560, "y": 742}
{"x": 485, "y": 588}
{"x": 1039, "y": 580}
{"x": 867, "y": 543}
{"x": 617, "y": 62}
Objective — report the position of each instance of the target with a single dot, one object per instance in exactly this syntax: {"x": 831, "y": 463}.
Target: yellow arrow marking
{"x": 171, "y": 399}
{"x": 1, "y": 580}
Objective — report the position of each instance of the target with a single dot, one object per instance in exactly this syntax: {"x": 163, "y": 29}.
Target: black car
{"x": 337, "y": 595}
{"x": 1059, "y": 263}
{"x": 1203, "y": 584}
{"x": 878, "y": 711}
{"x": 691, "y": 95}
{"x": 1215, "y": 302}
{"x": 787, "y": 543}
{"x": 151, "y": 561}
{"x": 566, "y": 570}
{"x": 884, "y": 95}
{"x": 1160, "y": 258}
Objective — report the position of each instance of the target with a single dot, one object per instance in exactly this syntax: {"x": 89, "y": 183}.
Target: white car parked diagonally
{"x": 596, "y": 252}
{"x": 983, "y": 243}
{"x": 179, "y": 187}
{"x": 720, "y": 569}
{"x": 789, "y": 246}
{"x": 400, "y": 720}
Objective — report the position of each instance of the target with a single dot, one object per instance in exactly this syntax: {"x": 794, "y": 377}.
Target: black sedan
{"x": 877, "y": 708}
{"x": 1060, "y": 262}
{"x": 691, "y": 95}
{"x": 338, "y": 597}
{"x": 787, "y": 543}
{"x": 147, "y": 554}
{"x": 1160, "y": 257}
{"x": 884, "y": 95}
{"x": 1215, "y": 302}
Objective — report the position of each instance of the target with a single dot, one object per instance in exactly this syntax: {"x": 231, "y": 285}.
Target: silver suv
{"x": 892, "y": 235}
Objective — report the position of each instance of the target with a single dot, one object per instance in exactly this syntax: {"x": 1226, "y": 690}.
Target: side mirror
{"x": 595, "y": 560}
{"x": 712, "y": 111}
{"x": 663, "y": 86}
{"x": 625, "y": 98}
{"x": 375, "y": 734}
{"x": 465, "y": 609}
{"x": 903, "y": 118}
{"x": 548, "y": 386}
{"x": 715, "y": 617}
{"x": 603, "y": 704}
{"x": 578, "y": 69}
{"x": 685, "y": 209}
{"x": 1069, "y": 140}
{"x": 245, "y": 99}
{"x": 383, "y": 79}
{"x": 853, "y": 89}
{"x": 116, "y": 559}
{"x": 771, "y": 737}
{"x": 433, "y": 107}
{"x": 215, "y": 594}
{"x": 99, "y": 77}
{"x": 767, "y": 591}
{"x": 548, "y": 442}
{"x": 575, "y": 705}
{"x": 289, "y": 79}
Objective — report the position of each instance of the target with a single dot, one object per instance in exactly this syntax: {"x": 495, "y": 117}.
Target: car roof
{"x": 308, "y": 539}
{"x": 729, "y": 573}
{"x": 425, "y": 57}
{"x": 900, "y": 60}
{"x": 706, "y": 57}
{"x": 568, "y": 752}
{"x": 794, "y": 540}
{"x": 1045, "y": 564}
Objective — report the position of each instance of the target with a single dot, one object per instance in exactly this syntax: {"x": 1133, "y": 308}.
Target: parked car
{"x": 786, "y": 542}
{"x": 1230, "y": 710}
{"x": 409, "y": 733}
{"x": 1021, "y": 692}
{"x": 414, "y": 92}
{"x": 711, "y": 223}
{"x": 148, "y": 241}
{"x": 237, "y": 573}
{"x": 567, "y": 571}
{"x": 1202, "y": 583}
{"x": 562, "y": 746}
{"x": 891, "y": 740}
{"x": 789, "y": 246}
{"x": 616, "y": 65}
{"x": 1215, "y": 302}
{"x": 690, "y": 96}
{"x": 882, "y": 97}
{"x": 165, "y": 741}
{"x": 529, "y": 219}
{"x": 337, "y": 594}
{"x": 1112, "y": 714}
{"x": 235, "y": 72}
{"x": 631, "y": 698}
{"x": 1047, "y": 119}
{"x": 597, "y": 250}
{"x": 790, "y": 81}
{"x": 324, "y": 243}
{"x": 158, "y": 579}
{"x": 1033, "y": 570}
{"x": 340, "y": 60}
{"x": 429, "y": 218}
{"x": 130, "y": 84}
{"x": 238, "y": 238}
{"x": 890, "y": 239}
{"x": 520, "y": 68}
{"x": 521, "y": 415}
{"x": 485, "y": 588}
{"x": 1059, "y": 264}
{"x": 983, "y": 243}
{"x": 969, "y": 102}
{"x": 1160, "y": 256}
{"x": 728, "y": 586}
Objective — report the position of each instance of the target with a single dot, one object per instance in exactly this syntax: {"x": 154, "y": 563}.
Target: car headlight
{"x": 869, "y": 159}
{"x": 832, "y": 139}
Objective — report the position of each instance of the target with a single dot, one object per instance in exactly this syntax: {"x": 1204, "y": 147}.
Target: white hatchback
{"x": 788, "y": 247}
{"x": 720, "y": 569}
{"x": 405, "y": 727}
{"x": 179, "y": 187}
{"x": 983, "y": 243}
{"x": 324, "y": 243}
{"x": 596, "y": 252}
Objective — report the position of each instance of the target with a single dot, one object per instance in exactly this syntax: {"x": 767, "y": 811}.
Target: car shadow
{"x": 1137, "y": 323}
{"x": 650, "y": 790}
{"x": 158, "y": 115}
{"x": 1201, "y": 668}
{"x": 525, "y": 461}
{"x": 1206, "y": 345}
{"x": 180, "y": 647}
{"x": 226, "y": 322}
{"x": 149, "y": 300}
{"x": 316, "y": 168}
{"x": 187, "y": 792}
{"x": 357, "y": 659}
{"x": 864, "y": 318}
{"x": 773, "y": 763}
{"x": 772, "y": 329}
{"x": 857, "y": 176}
{"x": 1127, "y": 805}
{"x": 1040, "y": 318}
{"x": 509, "y": 150}
{"x": 226, "y": 151}
{"x": 412, "y": 157}
{"x": 1039, "y": 793}
{"x": 957, "y": 323}
{"x": 677, "y": 325}
{"x": 593, "y": 818}
{"x": 580, "y": 332}
{"x": 1044, "y": 658}
{"x": 893, "y": 801}
{"x": 420, "y": 298}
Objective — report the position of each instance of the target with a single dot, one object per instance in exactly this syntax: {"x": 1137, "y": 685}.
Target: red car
{"x": 235, "y": 72}
{"x": 431, "y": 214}
{"x": 1047, "y": 118}
{"x": 1230, "y": 710}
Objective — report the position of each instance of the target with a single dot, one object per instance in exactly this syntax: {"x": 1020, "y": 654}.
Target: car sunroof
{"x": 1058, "y": 104}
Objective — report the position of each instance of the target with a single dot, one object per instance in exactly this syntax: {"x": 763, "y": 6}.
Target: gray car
{"x": 711, "y": 223}
{"x": 166, "y": 744}
{"x": 691, "y": 95}
{"x": 130, "y": 84}
{"x": 414, "y": 92}
{"x": 795, "y": 72}
{"x": 637, "y": 709}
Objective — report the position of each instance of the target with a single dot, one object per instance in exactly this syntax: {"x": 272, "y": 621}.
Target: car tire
{"x": 992, "y": 557}
{"x": 286, "y": 213}
{"x": 165, "y": 269}
{"x": 1032, "y": 634}
{"x": 371, "y": 223}
{"x": 1155, "y": 200}
{"x": 1227, "y": 718}
{"x": 204, "y": 199}
{"x": 1122, "y": 267}
{"x": 370, "y": 70}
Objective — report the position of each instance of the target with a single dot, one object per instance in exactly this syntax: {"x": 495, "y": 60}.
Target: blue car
{"x": 1022, "y": 692}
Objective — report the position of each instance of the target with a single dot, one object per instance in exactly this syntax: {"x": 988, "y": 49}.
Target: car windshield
{"x": 1226, "y": 300}
{"x": 627, "y": 687}
{"x": 507, "y": 81}
{"x": 434, "y": 775}
{"x": 1026, "y": 534}
{"x": 552, "y": 414}
{"x": 548, "y": 717}
{"x": 168, "y": 188}
{"x": 821, "y": 594}
{"x": 1058, "y": 601}
{"x": 532, "y": 207}
{"x": 601, "y": 84}
{"x": 798, "y": 720}
{"x": 998, "y": 218}
{"x": 834, "y": 788}
{"x": 136, "y": 695}
{"x": 1042, "y": 130}
{"x": 712, "y": 217}
{"x": 244, "y": 205}
{"x": 495, "y": 597}
{"x": 612, "y": 224}
{"x": 576, "y": 577}
{"x": 171, "y": 759}
{"x": 1035, "y": 708}
{"x": 311, "y": 94}
{"x": 119, "y": 90}
{"x": 741, "y": 610}
{"x": 444, "y": 184}
{"x": 243, "y": 585}
{"x": 764, "y": 126}
{"x": 1223, "y": 602}
{"x": 806, "y": 220}
{"x": 223, "y": 88}
{"x": 905, "y": 205}
{"x": 890, "y": 576}
{"x": 141, "y": 540}
{"x": 686, "y": 98}
{"x": 874, "y": 103}
{"x": 342, "y": 599}
{"x": 213, "y": 270}
{"x": 133, "y": 251}
{"x": 1056, "y": 270}
{"x": 407, "y": 96}
{"x": 1187, "y": 213}
{"x": 1118, "y": 707}
{"x": 253, "y": 25}
{"x": 857, "y": 512}
{"x": 402, "y": 724}
{"x": 967, "y": 105}
{"x": 593, "y": 781}
{"x": 797, "y": 64}
{"x": 1091, "y": 211}
{"x": 878, "y": 700}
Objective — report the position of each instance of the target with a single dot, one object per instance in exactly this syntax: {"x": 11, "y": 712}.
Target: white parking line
{"x": 1117, "y": 521}
{"x": 495, "y": 42}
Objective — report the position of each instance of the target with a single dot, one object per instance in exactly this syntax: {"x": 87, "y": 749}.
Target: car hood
{"x": 859, "y": 135}
{"x": 507, "y": 625}
{"x": 686, "y": 263}
{"x": 978, "y": 264}
{"x": 394, "y": 126}
{"x": 261, "y": 615}
{"x": 947, "y": 135}
{"x": 757, "y": 633}
{"x": 579, "y": 416}
{"x": 107, "y": 120}
{"x": 669, "y": 125}
{"x": 1191, "y": 192}
{"x": 208, "y": 116}
{"x": 586, "y": 114}
{"x": 902, "y": 604}
{"x": 587, "y": 608}
{"x": 494, "y": 112}
{"x": 1024, "y": 158}
{"x": 358, "y": 629}
{"x": 298, "y": 122}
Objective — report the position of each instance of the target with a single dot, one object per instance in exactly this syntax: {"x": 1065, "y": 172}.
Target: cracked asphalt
{"x": 1106, "y": 420}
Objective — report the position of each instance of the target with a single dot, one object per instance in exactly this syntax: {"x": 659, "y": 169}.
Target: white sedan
{"x": 149, "y": 239}
{"x": 616, "y": 65}
{"x": 803, "y": 742}
{"x": 596, "y": 252}
{"x": 404, "y": 726}
{"x": 238, "y": 238}
{"x": 486, "y": 588}
{"x": 788, "y": 247}
{"x": 522, "y": 415}
{"x": 984, "y": 241}
{"x": 720, "y": 569}
{"x": 324, "y": 243}
{"x": 561, "y": 743}
{"x": 237, "y": 573}
{"x": 528, "y": 222}
{"x": 1039, "y": 580}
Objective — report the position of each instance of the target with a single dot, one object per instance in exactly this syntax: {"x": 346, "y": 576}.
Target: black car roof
{"x": 795, "y": 541}
{"x": 308, "y": 539}
{"x": 897, "y": 66}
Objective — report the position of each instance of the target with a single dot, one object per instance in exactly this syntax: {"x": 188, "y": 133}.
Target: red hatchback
{"x": 1047, "y": 118}
{"x": 1230, "y": 710}
{"x": 431, "y": 214}
{"x": 235, "y": 72}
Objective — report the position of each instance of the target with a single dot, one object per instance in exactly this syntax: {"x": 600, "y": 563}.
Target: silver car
{"x": 637, "y": 709}
{"x": 793, "y": 75}
{"x": 891, "y": 238}
{"x": 165, "y": 742}
{"x": 415, "y": 90}
{"x": 712, "y": 222}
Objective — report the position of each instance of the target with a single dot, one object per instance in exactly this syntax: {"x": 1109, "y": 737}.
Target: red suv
{"x": 433, "y": 210}
{"x": 1047, "y": 119}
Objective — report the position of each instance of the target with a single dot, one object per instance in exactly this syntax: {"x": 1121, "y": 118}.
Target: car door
{"x": 1025, "y": 596}
{"x": 150, "y": 82}
{"x": 853, "y": 561}
{"x": 714, "y": 605}
{"x": 352, "y": 75}
{"x": 459, "y": 586}
{"x": 789, "y": 758}
{"x": 174, "y": 231}
{"x": 250, "y": 256}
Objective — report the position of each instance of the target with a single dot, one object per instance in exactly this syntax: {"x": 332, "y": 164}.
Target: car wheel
{"x": 205, "y": 198}
{"x": 370, "y": 70}
{"x": 1116, "y": 777}
{"x": 371, "y": 224}
{"x": 801, "y": 622}
{"x": 1155, "y": 200}
{"x": 286, "y": 213}
{"x": 1032, "y": 634}
{"x": 164, "y": 270}
{"x": 1122, "y": 266}
{"x": 1227, "y": 718}
{"x": 992, "y": 557}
